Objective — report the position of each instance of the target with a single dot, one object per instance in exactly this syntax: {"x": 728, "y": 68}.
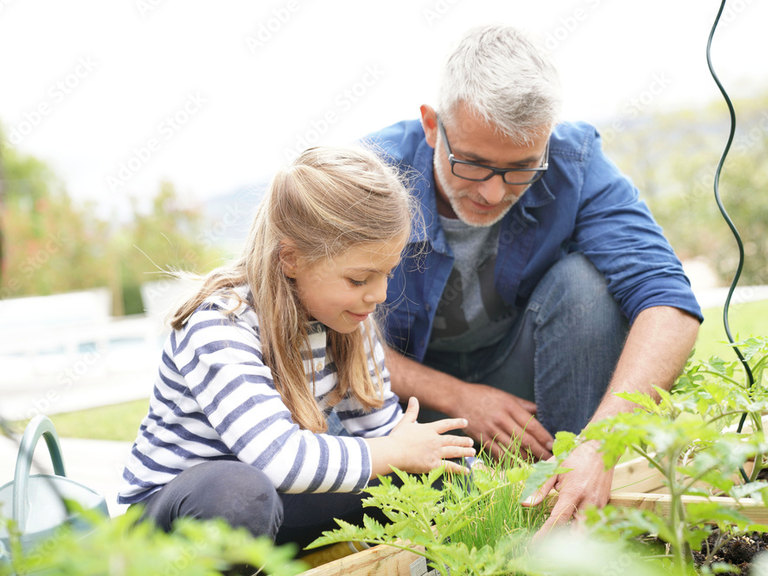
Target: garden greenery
{"x": 122, "y": 547}
{"x": 476, "y": 525}
{"x": 462, "y": 525}
{"x": 690, "y": 436}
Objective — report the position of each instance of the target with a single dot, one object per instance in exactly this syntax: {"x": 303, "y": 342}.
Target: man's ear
{"x": 288, "y": 259}
{"x": 429, "y": 123}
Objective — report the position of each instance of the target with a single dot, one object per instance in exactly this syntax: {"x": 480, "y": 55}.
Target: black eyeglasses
{"x": 480, "y": 172}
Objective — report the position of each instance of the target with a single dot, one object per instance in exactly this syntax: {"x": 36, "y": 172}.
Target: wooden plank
{"x": 660, "y": 503}
{"x": 637, "y": 476}
{"x": 331, "y": 553}
{"x": 377, "y": 561}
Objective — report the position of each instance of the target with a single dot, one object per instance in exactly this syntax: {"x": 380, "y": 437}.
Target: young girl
{"x": 277, "y": 346}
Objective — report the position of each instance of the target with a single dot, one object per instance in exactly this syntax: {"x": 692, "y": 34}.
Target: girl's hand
{"x": 418, "y": 448}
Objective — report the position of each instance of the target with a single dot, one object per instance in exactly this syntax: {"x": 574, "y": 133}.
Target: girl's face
{"x": 343, "y": 291}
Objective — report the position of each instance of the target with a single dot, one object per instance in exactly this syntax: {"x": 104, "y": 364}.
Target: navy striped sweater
{"x": 215, "y": 399}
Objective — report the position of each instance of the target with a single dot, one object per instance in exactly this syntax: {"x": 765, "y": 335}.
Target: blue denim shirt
{"x": 582, "y": 204}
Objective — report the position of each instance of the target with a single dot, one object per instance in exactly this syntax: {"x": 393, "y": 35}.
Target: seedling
{"x": 690, "y": 438}
{"x": 472, "y": 525}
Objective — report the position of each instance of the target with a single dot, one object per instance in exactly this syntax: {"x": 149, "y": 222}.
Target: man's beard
{"x": 454, "y": 199}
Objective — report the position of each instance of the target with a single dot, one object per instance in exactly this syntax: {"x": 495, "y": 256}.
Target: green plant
{"x": 498, "y": 514}
{"x": 690, "y": 438}
{"x": 472, "y": 525}
{"x": 122, "y": 547}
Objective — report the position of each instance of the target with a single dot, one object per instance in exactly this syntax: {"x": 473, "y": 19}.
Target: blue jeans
{"x": 561, "y": 352}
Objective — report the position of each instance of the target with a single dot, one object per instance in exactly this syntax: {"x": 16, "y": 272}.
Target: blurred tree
{"x": 55, "y": 245}
{"x": 51, "y": 245}
{"x": 2, "y": 212}
{"x": 680, "y": 152}
{"x": 168, "y": 237}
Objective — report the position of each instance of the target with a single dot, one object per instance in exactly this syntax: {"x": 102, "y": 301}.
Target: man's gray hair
{"x": 503, "y": 77}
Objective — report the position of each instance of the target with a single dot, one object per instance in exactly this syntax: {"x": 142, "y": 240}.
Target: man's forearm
{"x": 435, "y": 390}
{"x": 657, "y": 347}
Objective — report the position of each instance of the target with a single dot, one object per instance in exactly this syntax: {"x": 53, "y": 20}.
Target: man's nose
{"x": 493, "y": 190}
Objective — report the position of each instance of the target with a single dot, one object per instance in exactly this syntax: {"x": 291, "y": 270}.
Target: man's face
{"x": 471, "y": 139}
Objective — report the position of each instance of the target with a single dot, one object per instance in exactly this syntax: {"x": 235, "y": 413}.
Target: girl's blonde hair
{"x": 327, "y": 201}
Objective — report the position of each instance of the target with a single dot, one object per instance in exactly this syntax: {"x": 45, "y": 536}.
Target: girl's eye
{"x": 356, "y": 282}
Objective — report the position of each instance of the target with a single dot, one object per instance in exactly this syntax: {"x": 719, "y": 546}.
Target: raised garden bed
{"x": 634, "y": 485}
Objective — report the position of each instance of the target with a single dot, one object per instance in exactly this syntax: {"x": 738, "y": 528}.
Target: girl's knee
{"x": 241, "y": 495}
{"x": 244, "y": 497}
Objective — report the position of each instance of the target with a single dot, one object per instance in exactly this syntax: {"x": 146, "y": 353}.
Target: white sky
{"x": 119, "y": 95}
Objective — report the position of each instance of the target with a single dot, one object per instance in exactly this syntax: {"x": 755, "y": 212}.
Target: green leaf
{"x": 642, "y": 400}
{"x": 564, "y": 443}
{"x": 543, "y": 470}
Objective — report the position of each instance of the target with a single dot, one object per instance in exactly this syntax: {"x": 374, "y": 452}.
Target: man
{"x": 539, "y": 284}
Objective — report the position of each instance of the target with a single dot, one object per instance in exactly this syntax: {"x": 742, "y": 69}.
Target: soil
{"x": 738, "y": 552}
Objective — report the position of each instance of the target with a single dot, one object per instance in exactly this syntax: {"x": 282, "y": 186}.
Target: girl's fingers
{"x": 442, "y": 426}
{"x": 412, "y": 410}
{"x": 454, "y": 468}
{"x": 458, "y": 447}
{"x": 459, "y": 453}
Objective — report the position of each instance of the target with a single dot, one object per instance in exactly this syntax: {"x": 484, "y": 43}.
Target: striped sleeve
{"x": 222, "y": 365}
{"x": 215, "y": 399}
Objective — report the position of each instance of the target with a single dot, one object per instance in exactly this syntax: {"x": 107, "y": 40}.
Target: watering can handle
{"x": 39, "y": 426}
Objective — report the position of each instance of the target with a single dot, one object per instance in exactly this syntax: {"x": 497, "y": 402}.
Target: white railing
{"x": 66, "y": 353}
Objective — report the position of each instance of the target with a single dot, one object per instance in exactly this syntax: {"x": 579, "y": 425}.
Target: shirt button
{"x": 319, "y": 367}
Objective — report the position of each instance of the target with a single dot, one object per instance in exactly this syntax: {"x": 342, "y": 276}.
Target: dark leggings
{"x": 244, "y": 497}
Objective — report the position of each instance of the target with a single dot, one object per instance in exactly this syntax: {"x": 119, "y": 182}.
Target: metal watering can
{"x": 36, "y": 503}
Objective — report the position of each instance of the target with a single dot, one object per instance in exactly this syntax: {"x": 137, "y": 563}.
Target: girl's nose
{"x": 378, "y": 291}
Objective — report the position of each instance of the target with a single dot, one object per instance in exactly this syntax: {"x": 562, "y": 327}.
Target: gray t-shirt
{"x": 471, "y": 314}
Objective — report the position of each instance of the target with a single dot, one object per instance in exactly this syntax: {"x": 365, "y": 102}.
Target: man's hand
{"x": 498, "y": 419}
{"x": 586, "y": 483}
